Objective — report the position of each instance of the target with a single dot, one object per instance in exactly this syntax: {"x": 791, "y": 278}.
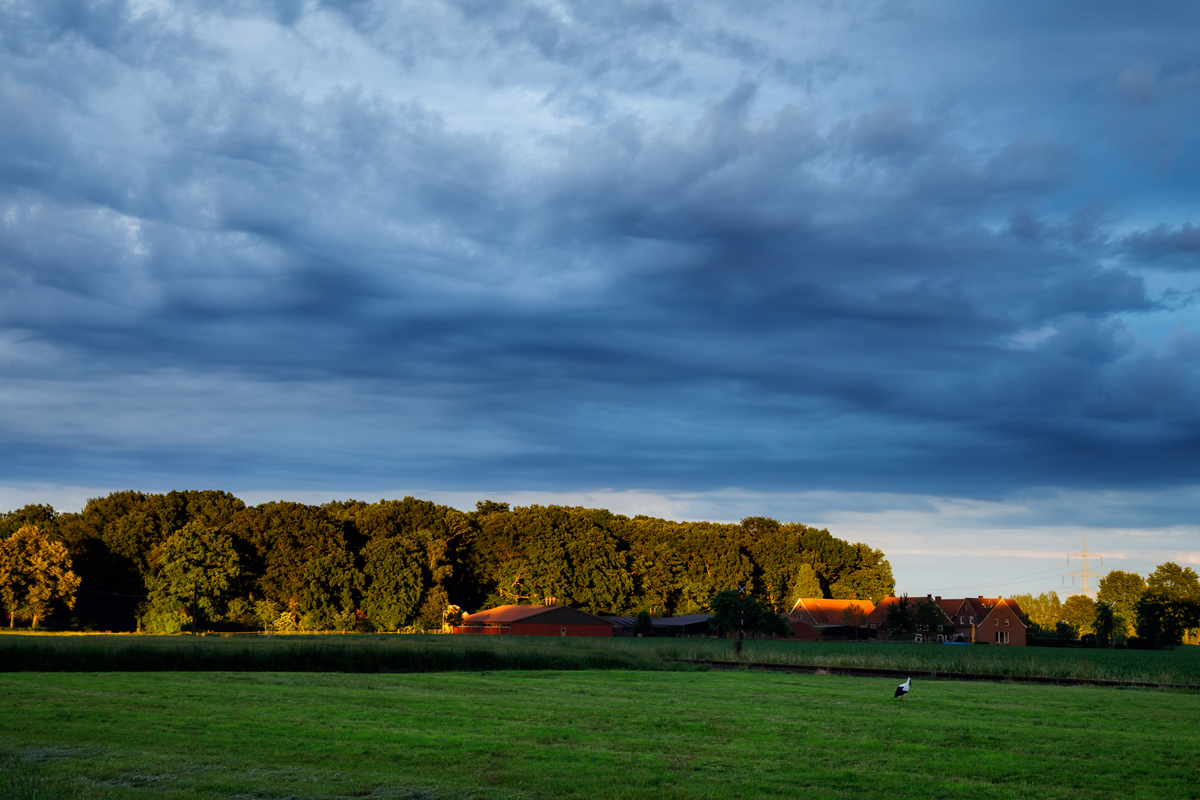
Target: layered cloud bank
{"x": 885, "y": 248}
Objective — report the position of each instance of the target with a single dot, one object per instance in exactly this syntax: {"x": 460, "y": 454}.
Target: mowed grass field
{"x": 587, "y": 734}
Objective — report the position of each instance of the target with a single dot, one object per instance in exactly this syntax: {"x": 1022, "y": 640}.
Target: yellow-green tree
{"x": 34, "y": 572}
{"x": 1122, "y": 590}
{"x": 1079, "y": 611}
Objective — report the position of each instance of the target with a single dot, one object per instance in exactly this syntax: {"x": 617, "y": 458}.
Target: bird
{"x": 902, "y": 689}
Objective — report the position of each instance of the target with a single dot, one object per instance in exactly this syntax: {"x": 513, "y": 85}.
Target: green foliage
{"x": 1169, "y": 606}
{"x": 642, "y": 624}
{"x": 399, "y": 564}
{"x": 195, "y": 570}
{"x": 327, "y": 598}
{"x": 806, "y": 585}
{"x": 1079, "y": 611}
{"x": 1121, "y": 590}
{"x": 900, "y": 620}
{"x": 394, "y": 581}
{"x": 1043, "y": 611}
{"x": 731, "y": 614}
{"x": 1065, "y": 631}
{"x": 1104, "y": 623}
{"x": 928, "y": 619}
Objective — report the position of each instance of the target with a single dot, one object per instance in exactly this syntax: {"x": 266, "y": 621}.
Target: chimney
{"x": 939, "y": 597}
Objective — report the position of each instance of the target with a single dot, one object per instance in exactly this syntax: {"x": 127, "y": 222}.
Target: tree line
{"x": 1162, "y": 610}
{"x": 163, "y": 562}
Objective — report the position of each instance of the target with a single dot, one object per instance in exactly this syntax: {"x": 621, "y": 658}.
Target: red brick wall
{"x": 804, "y": 632}
{"x": 995, "y": 623}
{"x": 533, "y": 629}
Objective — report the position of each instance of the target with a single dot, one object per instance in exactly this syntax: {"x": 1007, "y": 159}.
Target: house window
{"x": 961, "y": 620}
{"x": 1006, "y": 623}
{"x": 1001, "y": 637}
{"x": 996, "y": 623}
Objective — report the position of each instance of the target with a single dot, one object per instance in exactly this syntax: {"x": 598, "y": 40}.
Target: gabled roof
{"x": 510, "y": 614}
{"x": 685, "y": 619}
{"x": 877, "y": 616}
{"x": 820, "y": 612}
{"x": 948, "y": 605}
{"x": 1006, "y": 604}
{"x": 660, "y": 622}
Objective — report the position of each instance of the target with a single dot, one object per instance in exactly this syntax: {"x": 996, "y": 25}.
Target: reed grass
{"x": 430, "y": 653}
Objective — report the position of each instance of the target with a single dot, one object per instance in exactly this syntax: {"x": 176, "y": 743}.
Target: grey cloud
{"x": 694, "y": 286}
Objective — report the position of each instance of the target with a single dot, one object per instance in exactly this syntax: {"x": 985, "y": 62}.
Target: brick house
{"x": 1004, "y": 624}
{"x": 997, "y": 620}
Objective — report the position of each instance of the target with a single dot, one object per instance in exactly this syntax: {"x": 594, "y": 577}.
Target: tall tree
{"x": 1121, "y": 590}
{"x": 1170, "y": 606}
{"x": 195, "y": 570}
{"x": 752, "y": 615}
{"x": 1079, "y": 610}
{"x": 1104, "y": 623}
{"x": 854, "y": 615}
{"x": 900, "y": 620}
{"x": 807, "y": 585}
{"x": 34, "y": 572}
{"x": 1044, "y": 611}
{"x": 394, "y": 582}
{"x": 929, "y": 619}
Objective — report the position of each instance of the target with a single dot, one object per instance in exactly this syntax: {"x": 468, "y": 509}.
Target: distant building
{"x": 545, "y": 620}
{"x": 684, "y": 625}
{"x": 814, "y": 619}
{"x": 996, "y": 620}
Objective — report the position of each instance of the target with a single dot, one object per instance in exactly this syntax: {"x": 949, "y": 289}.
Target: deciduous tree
{"x": 193, "y": 580}
{"x": 1121, "y": 590}
{"x": 34, "y": 572}
{"x": 1079, "y": 611}
{"x": 900, "y": 620}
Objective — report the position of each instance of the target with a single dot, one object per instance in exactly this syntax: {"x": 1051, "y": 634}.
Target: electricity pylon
{"x": 1085, "y": 575}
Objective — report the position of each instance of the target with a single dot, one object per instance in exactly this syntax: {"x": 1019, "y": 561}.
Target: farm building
{"x": 547, "y": 620}
{"x": 814, "y": 619}
{"x": 685, "y": 625}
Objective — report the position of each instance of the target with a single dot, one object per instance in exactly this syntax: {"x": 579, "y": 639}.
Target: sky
{"x": 921, "y": 273}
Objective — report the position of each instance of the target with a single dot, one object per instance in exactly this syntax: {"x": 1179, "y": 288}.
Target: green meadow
{"x": 585, "y": 734}
{"x": 393, "y": 653}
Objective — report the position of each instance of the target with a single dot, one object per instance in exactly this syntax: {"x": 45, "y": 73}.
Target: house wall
{"x": 541, "y": 629}
{"x": 1002, "y": 620}
{"x": 804, "y": 632}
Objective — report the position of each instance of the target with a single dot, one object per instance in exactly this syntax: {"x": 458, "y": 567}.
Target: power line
{"x": 1046, "y": 573}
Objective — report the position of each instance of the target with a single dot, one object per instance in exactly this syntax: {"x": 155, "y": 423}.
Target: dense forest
{"x": 156, "y": 561}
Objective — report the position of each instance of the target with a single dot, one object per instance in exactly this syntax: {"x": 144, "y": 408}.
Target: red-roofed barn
{"x": 535, "y": 621}
{"x": 812, "y": 619}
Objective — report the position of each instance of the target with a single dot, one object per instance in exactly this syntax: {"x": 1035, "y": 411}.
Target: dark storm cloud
{"x": 631, "y": 244}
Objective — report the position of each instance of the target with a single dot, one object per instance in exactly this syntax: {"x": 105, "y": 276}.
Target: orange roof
{"x": 820, "y": 612}
{"x": 522, "y": 613}
{"x": 879, "y": 613}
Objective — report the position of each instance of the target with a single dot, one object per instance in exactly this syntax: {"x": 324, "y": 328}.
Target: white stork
{"x": 902, "y": 689}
